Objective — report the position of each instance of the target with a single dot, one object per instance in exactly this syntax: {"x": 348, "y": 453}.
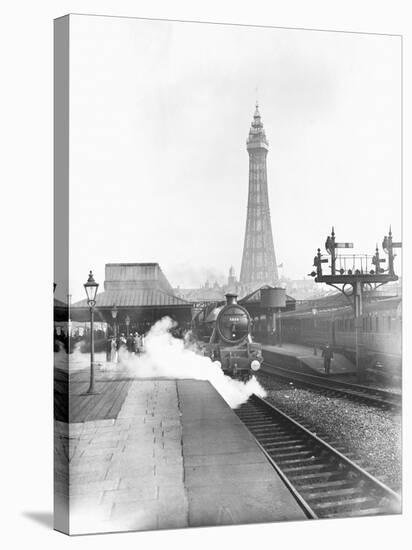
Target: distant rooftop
{"x": 133, "y": 276}
{"x": 135, "y": 285}
{"x": 195, "y": 295}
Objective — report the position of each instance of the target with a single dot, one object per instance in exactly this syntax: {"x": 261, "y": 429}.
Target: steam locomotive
{"x": 226, "y": 335}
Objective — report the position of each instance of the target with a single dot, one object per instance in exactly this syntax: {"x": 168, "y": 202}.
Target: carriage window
{"x": 389, "y": 323}
{"x": 377, "y": 323}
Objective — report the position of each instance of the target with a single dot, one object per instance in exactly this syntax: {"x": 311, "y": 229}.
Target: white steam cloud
{"x": 166, "y": 356}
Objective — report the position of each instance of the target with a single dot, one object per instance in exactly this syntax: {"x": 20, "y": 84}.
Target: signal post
{"x": 364, "y": 270}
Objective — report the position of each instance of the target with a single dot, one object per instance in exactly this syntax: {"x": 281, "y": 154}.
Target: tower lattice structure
{"x": 259, "y": 261}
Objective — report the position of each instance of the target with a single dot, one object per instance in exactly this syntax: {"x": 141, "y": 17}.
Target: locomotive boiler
{"x": 226, "y": 333}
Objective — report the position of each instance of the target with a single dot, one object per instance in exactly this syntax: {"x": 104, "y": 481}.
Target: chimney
{"x": 230, "y": 299}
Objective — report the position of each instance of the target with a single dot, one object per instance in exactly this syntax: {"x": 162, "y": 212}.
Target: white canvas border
{"x": 26, "y": 404}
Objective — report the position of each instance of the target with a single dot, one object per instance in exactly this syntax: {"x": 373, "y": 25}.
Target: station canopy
{"x": 140, "y": 291}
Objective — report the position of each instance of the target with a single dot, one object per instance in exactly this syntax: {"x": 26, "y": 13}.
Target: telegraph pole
{"x": 353, "y": 274}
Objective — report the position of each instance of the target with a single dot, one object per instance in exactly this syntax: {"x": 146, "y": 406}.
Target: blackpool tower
{"x": 259, "y": 260}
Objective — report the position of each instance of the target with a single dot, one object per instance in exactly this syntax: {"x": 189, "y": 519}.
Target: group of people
{"x": 133, "y": 343}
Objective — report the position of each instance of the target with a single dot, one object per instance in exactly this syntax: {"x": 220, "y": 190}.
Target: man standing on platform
{"x": 327, "y": 355}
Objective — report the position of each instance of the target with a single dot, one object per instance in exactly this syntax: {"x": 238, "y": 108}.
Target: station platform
{"x": 168, "y": 454}
{"x": 304, "y": 355}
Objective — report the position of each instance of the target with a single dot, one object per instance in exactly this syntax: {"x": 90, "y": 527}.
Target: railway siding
{"x": 329, "y": 386}
{"x": 370, "y": 435}
{"x": 331, "y": 484}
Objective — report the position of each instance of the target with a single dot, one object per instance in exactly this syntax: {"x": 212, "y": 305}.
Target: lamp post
{"x": 91, "y": 290}
{"x": 127, "y": 321}
{"x": 314, "y": 313}
{"x": 114, "y": 311}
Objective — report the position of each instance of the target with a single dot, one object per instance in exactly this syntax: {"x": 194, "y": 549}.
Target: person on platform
{"x": 136, "y": 343}
{"x": 113, "y": 350}
{"x": 108, "y": 349}
{"x": 121, "y": 345}
{"x": 130, "y": 343}
{"x": 327, "y": 355}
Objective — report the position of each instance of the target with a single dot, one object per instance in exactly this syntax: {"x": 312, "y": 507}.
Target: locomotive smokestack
{"x": 230, "y": 299}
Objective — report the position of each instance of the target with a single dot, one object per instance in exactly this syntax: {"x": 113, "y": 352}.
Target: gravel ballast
{"x": 373, "y": 435}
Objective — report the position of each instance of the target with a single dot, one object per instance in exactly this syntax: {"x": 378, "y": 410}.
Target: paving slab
{"x": 126, "y": 471}
{"x": 175, "y": 456}
{"x": 227, "y": 477}
{"x": 240, "y": 503}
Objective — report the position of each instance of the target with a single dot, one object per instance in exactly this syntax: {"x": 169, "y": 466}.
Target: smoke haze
{"x": 166, "y": 356}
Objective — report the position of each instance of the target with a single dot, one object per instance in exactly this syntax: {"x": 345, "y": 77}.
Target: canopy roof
{"x": 134, "y": 298}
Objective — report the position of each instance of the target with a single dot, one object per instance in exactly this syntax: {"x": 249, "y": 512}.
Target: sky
{"x": 159, "y": 116}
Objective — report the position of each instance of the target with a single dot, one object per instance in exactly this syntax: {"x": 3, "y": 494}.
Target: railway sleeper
{"x": 349, "y": 503}
{"x": 251, "y": 412}
{"x": 272, "y": 447}
{"x": 310, "y": 467}
{"x": 314, "y": 477}
{"x": 356, "y": 513}
{"x": 331, "y": 475}
{"x": 331, "y": 493}
{"x": 326, "y": 485}
{"x": 248, "y": 418}
{"x": 384, "y": 503}
{"x": 266, "y": 424}
{"x": 272, "y": 429}
{"x": 283, "y": 438}
{"x": 278, "y": 445}
{"x": 270, "y": 436}
{"x": 295, "y": 454}
{"x": 269, "y": 428}
{"x": 309, "y": 459}
{"x": 282, "y": 443}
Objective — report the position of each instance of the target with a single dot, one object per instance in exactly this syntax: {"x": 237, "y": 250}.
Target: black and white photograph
{"x": 227, "y": 288}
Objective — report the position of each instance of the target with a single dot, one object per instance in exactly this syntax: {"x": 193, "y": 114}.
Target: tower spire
{"x": 259, "y": 265}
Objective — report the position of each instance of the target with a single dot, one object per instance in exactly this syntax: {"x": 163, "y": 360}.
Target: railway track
{"x": 326, "y": 483}
{"x": 373, "y": 396}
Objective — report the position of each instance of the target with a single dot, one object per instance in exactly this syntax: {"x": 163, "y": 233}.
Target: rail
{"x": 359, "y": 392}
{"x": 324, "y": 481}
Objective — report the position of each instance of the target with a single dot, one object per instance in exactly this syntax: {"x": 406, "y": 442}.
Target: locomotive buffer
{"x": 364, "y": 270}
